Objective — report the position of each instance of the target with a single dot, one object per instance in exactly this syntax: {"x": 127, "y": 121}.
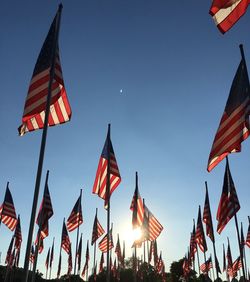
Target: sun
{"x": 136, "y": 234}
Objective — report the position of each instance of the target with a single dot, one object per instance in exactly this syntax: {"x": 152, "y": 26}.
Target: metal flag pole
{"x": 77, "y": 236}
{"x": 108, "y": 202}
{"x": 42, "y": 148}
{"x": 198, "y": 261}
{"x": 95, "y": 242}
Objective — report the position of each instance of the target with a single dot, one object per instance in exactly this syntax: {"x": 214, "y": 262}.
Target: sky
{"x": 175, "y": 70}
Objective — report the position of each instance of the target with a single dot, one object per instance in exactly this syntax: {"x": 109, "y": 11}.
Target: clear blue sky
{"x": 175, "y": 69}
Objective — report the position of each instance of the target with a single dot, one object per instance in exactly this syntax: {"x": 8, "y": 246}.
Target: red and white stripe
{"x": 8, "y": 216}
{"x": 35, "y": 105}
{"x": 227, "y": 12}
{"x": 104, "y": 246}
{"x": 155, "y": 228}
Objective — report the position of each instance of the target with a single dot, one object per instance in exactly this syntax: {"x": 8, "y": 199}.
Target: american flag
{"x": 229, "y": 203}
{"x": 59, "y": 266}
{"x": 87, "y": 251}
{"x": 47, "y": 259}
{"x": 229, "y": 258}
{"x": 75, "y": 219}
{"x": 137, "y": 206}
{"x": 7, "y": 210}
{"x": 248, "y": 235}
{"x": 155, "y": 253}
{"x": 70, "y": 265}
{"x": 45, "y": 211}
{"x": 9, "y": 252}
{"x": 79, "y": 253}
{"x": 35, "y": 104}
{"x": 236, "y": 266}
{"x": 159, "y": 264}
{"x": 118, "y": 250}
{"x": 101, "y": 263}
{"x": 18, "y": 234}
{"x": 40, "y": 248}
{"x": 98, "y": 230}
{"x": 242, "y": 239}
{"x": 207, "y": 217}
{"x": 206, "y": 266}
{"x": 185, "y": 267}
{"x": 51, "y": 255}
{"x": 65, "y": 243}
{"x": 17, "y": 257}
{"x": 193, "y": 244}
{"x": 234, "y": 124}
{"x": 155, "y": 228}
{"x": 100, "y": 184}
{"x": 226, "y": 13}
{"x": 103, "y": 244}
{"x": 86, "y": 265}
{"x": 199, "y": 234}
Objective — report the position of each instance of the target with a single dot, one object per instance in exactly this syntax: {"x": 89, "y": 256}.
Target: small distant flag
{"x": 79, "y": 253}
{"x": 98, "y": 230}
{"x": 137, "y": 206}
{"x": 100, "y": 184}
{"x": 234, "y": 125}
{"x": 65, "y": 243}
{"x": 70, "y": 265}
{"x": 9, "y": 252}
{"x": 207, "y": 217}
{"x": 229, "y": 203}
{"x": 193, "y": 244}
{"x": 199, "y": 234}
{"x": 75, "y": 219}
{"x": 118, "y": 249}
{"x": 7, "y": 210}
{"x": 226, "y": 13}
{"x": 87, "y": 252}
{"x": 101, "y": 263}
{"x": 103, "y": 244}
{"x": 35, "y": 104}
{"x": 47, "y": 259}
{"x": 206, "y": 266}
{"x": 18, "y": 234}
{"x": 229, "y": 258}
{"x": 236, "y": 266}
{"x": 248, "y": 235}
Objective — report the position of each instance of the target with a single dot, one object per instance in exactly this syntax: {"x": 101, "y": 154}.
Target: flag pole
{"x": 77, "y": 236}
{"x": 95, "y": 245}
{"x": 42, "y": 148}
{"x": 108, "y": 202}
{"x": 213, "y": 268}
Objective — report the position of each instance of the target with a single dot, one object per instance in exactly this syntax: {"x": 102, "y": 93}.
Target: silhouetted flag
{"x": 229, "y": 203}
{"x": 217, "y": 265}
{"x": 47, "y": 259}
{"x": 17, "y": 257}
{"x": 9, "y": 252}
{"x": 100, "y": 184}
{"x": 234, "y": 124}
{"x": 87, "y": 252}
{"x": 155, "y": 228}
{"x": 137, "y": 207}
{"x": 103, "y": 244}
{"x": 86, "y": 265}
{"x": 65, "y": 244}
{"x": 199, "y": 234}
{"x": 35, "y": 104}
{"x": 75, "y": 219}
{"x": 207, "y": 218}
{"x": 206, "y": 266}
{"x": 229, "y": 258}
{"x": 155, "y": 253}
{"x": 40, "y": 248}
{"x": 59, "y": 266}
{"x": 18, "y": 234}
{"x": 185, "y": 267}
{"x": 232, "y": 272}
{"x": 101, "y": 263}
{"x": 193, "y": 244}
{"x": 226, "y": 13}
{"x": 224, "y": 259}
{"x": 159, "y": 264}
{"x": 51, "y": 255}
{"x": 70, "y": 260}
{"x": 248, "y": 236}
{"x": 98, "y": 231}
{"x": 7, "y": 210}
{"x": 242, "y": 239}
{"x": 118, "y": 249}
{"x": 79, "y": 253}
{"x": 45, "y": 212}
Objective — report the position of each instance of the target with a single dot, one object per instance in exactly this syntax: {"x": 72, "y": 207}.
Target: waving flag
{"x": 46, "y": 211}
{"x": 137, "y": 206}
{"x": 98, "y": 231}
{"x": 193, "y": 244}
{"x": 103, "y": 244}
{"x": 206, "y": 266}
{"x": 226, "y": 13}
{"x": 207, "y": 217}
{"x": 155, "y": 228}
{"x": 7, "y": 210}
{"x": 35, "y": 105}
{"x": 234, "y": 124}
{"x": 229, "y": 203}
{"x": 18, "y": 234}
{"x": 107, "y": 159}
{"x": 236, "y": 266}
{"x": 199, "y": 234}
{"x": 65, "y": 243}
{"x": 75, "y": 219}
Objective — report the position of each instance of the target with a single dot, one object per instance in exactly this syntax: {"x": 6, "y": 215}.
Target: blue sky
{"x": 175, "y": 69}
